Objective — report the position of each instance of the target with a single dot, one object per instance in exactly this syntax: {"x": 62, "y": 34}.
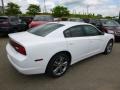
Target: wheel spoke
{"x": 60, "y": 65}
{"x": 61, "y": 69}
{"x": 61, "y": 59}
{"x": 64, "y": 64}
{"x": 56, "y": 63}
{"x": 56, "y": 70}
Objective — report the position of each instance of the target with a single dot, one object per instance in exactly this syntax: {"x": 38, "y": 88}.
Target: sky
{"x": 104, "y": 7}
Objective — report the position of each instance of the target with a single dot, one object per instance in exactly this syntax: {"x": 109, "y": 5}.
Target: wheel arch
{"x": 111, "y": 40}
{"x": 66, "y": 52}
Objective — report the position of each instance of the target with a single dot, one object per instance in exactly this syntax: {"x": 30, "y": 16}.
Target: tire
{"x": 58, "y": 65}
{"x": 109, "y": 47}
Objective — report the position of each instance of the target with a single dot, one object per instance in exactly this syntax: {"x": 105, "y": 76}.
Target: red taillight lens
{"x": 19, "y": 48}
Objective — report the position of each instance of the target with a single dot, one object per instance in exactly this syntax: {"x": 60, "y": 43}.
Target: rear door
{"x": 77, "y": 43}
{"x": 95, "y": 37}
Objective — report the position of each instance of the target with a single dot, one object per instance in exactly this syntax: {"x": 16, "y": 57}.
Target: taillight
{"x": 19, "y": 48}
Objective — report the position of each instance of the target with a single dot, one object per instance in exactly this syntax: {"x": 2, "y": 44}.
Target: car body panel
{"x": 115, "y": 30}
{"x": 36, "y": 23}
{"x": 40, "y": 20}
{"x": 44, "y": 48}
{"x": 11, "y": 24}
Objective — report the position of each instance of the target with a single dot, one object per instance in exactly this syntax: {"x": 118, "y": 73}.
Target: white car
{"x": 53, "y": 47}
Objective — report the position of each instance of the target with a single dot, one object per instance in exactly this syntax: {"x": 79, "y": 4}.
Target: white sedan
{"x": 53, "y": 47}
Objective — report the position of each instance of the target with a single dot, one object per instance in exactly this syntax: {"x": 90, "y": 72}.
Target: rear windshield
{"x": 43, "y": 18}
{"x": 3, "y": 19}
{"x": 110, "y": 23}
{"x": 45, "y": 29}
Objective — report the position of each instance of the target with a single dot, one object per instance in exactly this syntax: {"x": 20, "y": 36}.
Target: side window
{"x": 91, "y": 31}
{"x": 75, "y": 31}
{"x": 67, "y": 33}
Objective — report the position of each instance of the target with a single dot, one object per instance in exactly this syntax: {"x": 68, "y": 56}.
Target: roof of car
{"x": 69, "y": 23}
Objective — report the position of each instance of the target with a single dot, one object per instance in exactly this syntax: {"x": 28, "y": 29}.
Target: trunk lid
{"x": 26, "y": 38}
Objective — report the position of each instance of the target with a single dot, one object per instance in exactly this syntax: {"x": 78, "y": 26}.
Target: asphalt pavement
{"x": 101, "y": 72}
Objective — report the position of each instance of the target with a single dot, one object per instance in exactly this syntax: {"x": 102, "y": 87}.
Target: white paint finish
{"x": 45, "y": 47}
{"x": 78, "y": 47}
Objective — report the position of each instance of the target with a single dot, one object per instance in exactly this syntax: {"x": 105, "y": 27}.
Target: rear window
{"x": 43, "y": 18}
{"x": 2, "y": 19}
{"x": 45, "y": 29}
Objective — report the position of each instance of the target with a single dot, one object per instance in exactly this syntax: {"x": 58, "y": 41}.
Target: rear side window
{"x": 90, "y": 30}
{"x": 45, "y": 29}
{"x": 75, "y": 31}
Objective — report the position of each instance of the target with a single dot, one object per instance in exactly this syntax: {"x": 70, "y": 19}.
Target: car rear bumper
{"x": 26, "y": 71}
{"x": 24, "y": 66}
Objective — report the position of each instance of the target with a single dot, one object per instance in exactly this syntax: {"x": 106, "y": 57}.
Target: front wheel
{"x": 58, "y": 65}
{"x": 109, "y": 47}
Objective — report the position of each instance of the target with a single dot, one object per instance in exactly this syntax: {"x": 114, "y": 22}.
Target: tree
{"x": 33, "y": 9}
{"x": 60, "y": 11}
{"x": 99, "y": 16}
{"x": 108, "y": 17}
{"x": 12, "y": 9}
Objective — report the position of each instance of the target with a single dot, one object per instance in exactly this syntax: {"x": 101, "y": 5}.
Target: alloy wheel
{"x": 60, "y": 65}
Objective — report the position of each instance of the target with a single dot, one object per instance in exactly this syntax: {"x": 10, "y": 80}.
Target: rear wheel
{"x": 109, "y": 47}
{"x": 58, "y": 65}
